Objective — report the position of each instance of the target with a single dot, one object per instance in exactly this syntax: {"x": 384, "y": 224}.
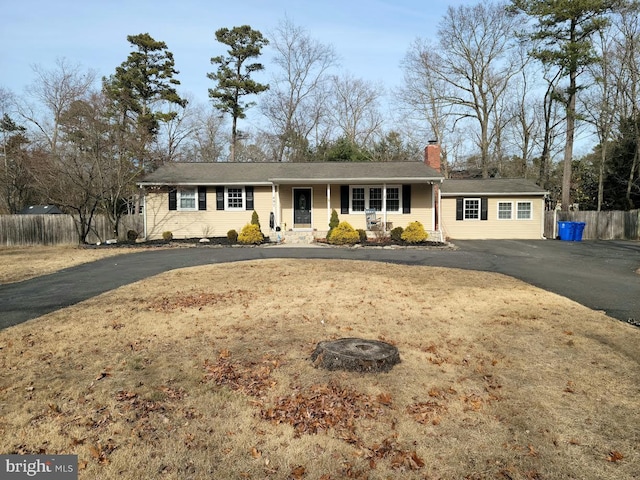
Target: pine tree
{"x": 563, "y": 38}
{"x": 233, "y": 77}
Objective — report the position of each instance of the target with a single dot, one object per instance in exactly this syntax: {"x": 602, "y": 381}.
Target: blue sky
{"x": 371, "y": 37}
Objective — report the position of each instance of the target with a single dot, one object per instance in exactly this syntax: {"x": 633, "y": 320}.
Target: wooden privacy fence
{"x": 60, "y": 229}
{"x": 610, "y": 225}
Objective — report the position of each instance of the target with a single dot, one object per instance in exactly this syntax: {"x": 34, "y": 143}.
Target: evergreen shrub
{"x": 343, "y": 234}
{"x": 396, "y": 234}
{"x": 333, "y": 222}
{"x": 250, "y": 235}
{"x": 232, "y": 236}
{"x": 414, "y": 233}
{"x": 255, "y": 220}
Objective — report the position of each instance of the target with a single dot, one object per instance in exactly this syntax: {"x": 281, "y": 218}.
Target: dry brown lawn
{"x": 204, "y": 373}
{"x": 22, "y": 263}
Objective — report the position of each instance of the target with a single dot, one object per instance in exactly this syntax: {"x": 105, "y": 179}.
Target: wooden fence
{"x": 609, "y": 225}
{"x": 60, "y": 229}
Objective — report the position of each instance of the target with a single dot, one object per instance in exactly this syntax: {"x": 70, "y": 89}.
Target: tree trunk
{"x": 234, "y": 137}
{"x": 355, "y": 354}
{"x": 603, "y": 159}
{"x": 632, "y": 172}
{"x": 568, "y": 146}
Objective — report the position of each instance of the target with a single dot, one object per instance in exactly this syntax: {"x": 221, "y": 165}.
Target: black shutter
{"x": 173, "y": 198}
{"x": 484, "y": 208}
{"x": 344, "y": 198}
{"x": 219, "y": 198}
{"x": 249, "y": 197}
{"x": 459, "y": 208}
{"x": 406, "y": 198}
{"x": 202, "y": 198}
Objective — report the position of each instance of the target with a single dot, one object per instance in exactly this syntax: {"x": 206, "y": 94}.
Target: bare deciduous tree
{"x": 55, "y": 90}
{"x": 422, "y": 97}
{"x": 291, "y": 106}
{"x": 355, "y": 109}
{"x": 468, "y": 74}
{"x": 600, "y": 102}
{"x": 207, "y": 140}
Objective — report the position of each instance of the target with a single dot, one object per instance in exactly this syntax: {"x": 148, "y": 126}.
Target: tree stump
{"x": 356, "y": 355}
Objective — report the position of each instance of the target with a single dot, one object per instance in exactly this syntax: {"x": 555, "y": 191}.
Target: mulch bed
{"x": 224, "y": 242}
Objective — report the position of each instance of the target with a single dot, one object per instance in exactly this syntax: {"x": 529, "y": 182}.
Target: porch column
{"x": 384, "y": 207}
{"x": 274, "y": 205}
{"x": 439, "y": 213}
{"x": 328, "y": 204}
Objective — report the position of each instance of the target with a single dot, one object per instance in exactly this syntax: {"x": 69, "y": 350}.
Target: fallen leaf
{"x": 297, "y": 473}
{"x": 94, "y": 451}
{"x": 614, "y": 456}
{"x": 103, "y": 375}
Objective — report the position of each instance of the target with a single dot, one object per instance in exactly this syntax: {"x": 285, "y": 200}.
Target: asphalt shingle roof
{"x": 491, "y": 186}
{"x": 282, "y": 173}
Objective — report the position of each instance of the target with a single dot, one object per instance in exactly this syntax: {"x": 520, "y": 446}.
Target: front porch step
{"x": 297, "y": 238}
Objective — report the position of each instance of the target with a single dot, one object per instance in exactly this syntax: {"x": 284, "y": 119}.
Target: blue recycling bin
{"x": 566, "y": 231}
{"x": 578, "y": 228}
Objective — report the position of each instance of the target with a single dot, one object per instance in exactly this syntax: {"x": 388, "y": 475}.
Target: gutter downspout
{"x": 144, "y": 212}
{"x": 440, "y": 212}
{"x": 274, "y": 206}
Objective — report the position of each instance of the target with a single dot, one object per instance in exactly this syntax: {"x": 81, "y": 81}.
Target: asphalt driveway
{"x": 601, "y": 275}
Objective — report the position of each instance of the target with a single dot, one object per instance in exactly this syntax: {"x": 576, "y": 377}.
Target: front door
{"x": 302, "y": 208}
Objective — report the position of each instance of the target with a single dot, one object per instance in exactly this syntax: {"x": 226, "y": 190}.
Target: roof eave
{"x": 203, "y": 184}
{"x": 494, "y": 194}
{"x": 362, "y": 180}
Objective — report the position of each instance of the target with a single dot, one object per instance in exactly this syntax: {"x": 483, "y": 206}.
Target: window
{"x": 471, "y": 208}
{"x": 357, "y": 199}
{"x": 393, "y": 199}
{"x": 187, "y": 199}
{"x": 371, "y": 197}
{"x": 234, "y": 198}
{"x": 504, "y": 210}
{"x": 524, "y": 211}
{"x": 375, "y": 199}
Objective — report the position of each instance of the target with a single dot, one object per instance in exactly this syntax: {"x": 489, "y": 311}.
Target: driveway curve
{"x": 602, "y": 275}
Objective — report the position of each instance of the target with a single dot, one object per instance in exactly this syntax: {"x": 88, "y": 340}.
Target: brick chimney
{"x": 432, "y": 155}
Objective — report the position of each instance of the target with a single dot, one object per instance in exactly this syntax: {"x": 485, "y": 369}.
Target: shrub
{"x": 255, "y": 220}
{"x": 396, "y": 234}
{"x": 250, "y": 235}
{"x": 362, "y": 234}
{"x": 167, "y": 236}
{"x": 333, "y": 222}
{"x": 132, "y": 236}
{"x": 343, "y": 234}
{"x": 414, "y": 233}
{"x": 232, "y": 236}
